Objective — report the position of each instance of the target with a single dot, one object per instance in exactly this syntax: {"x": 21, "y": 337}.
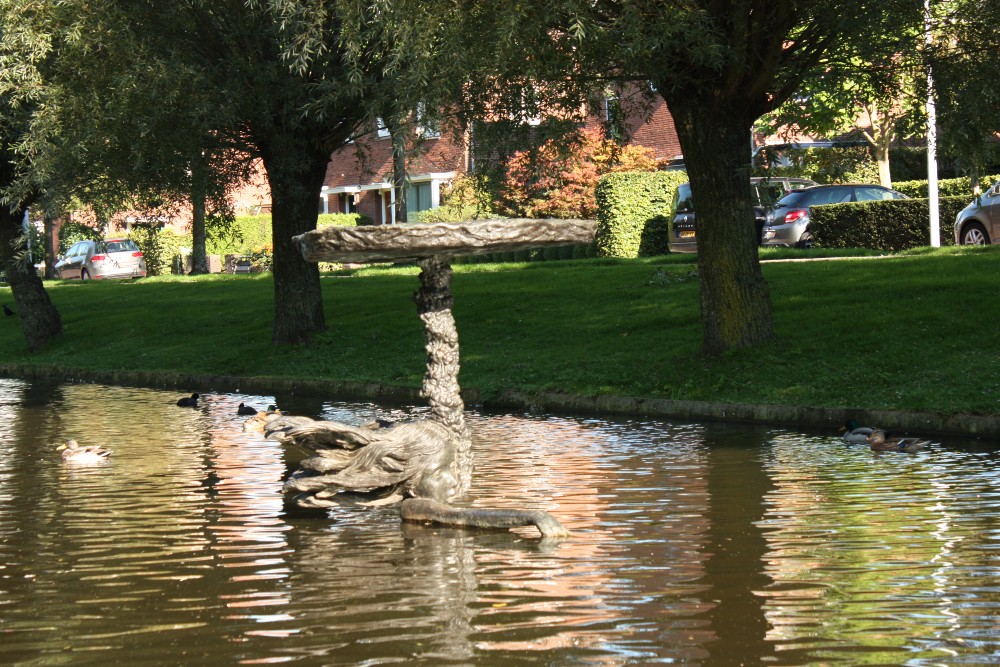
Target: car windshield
{"x": 792, "y": 200}
{"x": 121, "y": 246}
{"x": 682, "y": 202}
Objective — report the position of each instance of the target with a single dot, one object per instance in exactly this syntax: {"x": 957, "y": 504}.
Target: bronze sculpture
{"x": 425, "y": 465}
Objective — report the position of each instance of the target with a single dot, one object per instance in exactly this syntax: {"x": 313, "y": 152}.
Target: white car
{"x": 979, "y": 222}
{"x": 96, "y": 260}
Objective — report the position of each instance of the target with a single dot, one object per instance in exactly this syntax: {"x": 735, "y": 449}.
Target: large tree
{"x": 964, "y": 61}
{"x": 207, "y": 78}
{"x": 24, "y": 91}
{"x": 719, "y": 65}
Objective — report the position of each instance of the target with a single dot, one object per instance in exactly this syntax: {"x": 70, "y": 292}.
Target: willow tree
{"x": 24, "y": 94}
{"x": 718, "y": 65}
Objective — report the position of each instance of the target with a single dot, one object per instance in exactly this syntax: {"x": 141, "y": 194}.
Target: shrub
{"x": 158, "y": 246}
{"x": 465, "y": 198}
{"x": 339, "y": 220}
{"x": 249, "y": 233}
{"x": 634, "y": 211}
{"x": 890, "y": 225}
{"x": 947, "y": 187}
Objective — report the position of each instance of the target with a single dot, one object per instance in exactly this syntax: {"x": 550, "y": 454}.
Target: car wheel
{"x": 805, "y": 241}
{"x": 974, "y": 234}
{"x": 84, "y": 275}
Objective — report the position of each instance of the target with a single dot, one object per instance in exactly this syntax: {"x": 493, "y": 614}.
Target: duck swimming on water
{"x": 189, "y": 402}
{"x": 73, "y": 452}
{"x": 854, "y": 433}
{"x": 880, "y": 443}
{"x": 244, "y": 409}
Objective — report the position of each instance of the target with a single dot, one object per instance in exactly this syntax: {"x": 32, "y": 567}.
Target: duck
{"x": 189, "y": 402}
{"x": 854, "y": 433}
{"x": 73, "y": 452}
{"x": 244, "y": 409}
{"x": 880, "y": 443}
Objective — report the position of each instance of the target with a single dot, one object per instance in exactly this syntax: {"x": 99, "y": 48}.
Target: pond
{"x": 694, "y": 544}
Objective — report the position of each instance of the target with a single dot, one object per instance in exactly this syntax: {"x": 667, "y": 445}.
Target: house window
{"x": 613, "y": 119}
{"x": 418, "y": 198}
{"x": 383, "y": 131}
{"x": 427, "y": 126}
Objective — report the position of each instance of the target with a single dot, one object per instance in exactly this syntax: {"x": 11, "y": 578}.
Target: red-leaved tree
{"x": 557, "y": 179}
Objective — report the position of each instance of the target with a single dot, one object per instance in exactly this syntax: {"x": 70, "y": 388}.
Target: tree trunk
{"x": 40, "y": 320}
{"x": 882, "y": 157}
{"x": 199, "y": 263}
{"x": 295, "y": 175}
{"x": 399, "y": 171}
{"x": 735, "y": 300}
{"x": 51, "y": 246}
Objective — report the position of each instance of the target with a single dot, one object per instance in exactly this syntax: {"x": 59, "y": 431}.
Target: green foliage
{"x": 634, "y": 211}
{"x": 246, "y": 234}
{"x": 465, "y": 198}
{"x": 343, "y": 220}
{"x": 838, "y": 164}
{"x": 947, "y": 187}
{"x": 890, "y": 225}
{"x": 71, "y": 232}
{"x": 158, "y": 245}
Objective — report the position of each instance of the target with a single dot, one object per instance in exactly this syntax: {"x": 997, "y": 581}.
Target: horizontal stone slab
{"x": 387, "y": 243}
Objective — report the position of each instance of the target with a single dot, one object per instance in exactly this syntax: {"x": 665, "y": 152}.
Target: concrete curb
{"x": 830, "y": 419}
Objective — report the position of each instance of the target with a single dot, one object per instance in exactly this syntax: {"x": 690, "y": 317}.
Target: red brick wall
{"x": 654, "y": 129}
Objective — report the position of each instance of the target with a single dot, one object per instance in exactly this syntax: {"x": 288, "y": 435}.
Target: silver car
{"x": 96, "y": 260}
{"x": 979, "y": 222}
{"x": 788, "y": 221}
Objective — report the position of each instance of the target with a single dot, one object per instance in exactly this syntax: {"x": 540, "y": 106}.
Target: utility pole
{"x": 932, "y": 170}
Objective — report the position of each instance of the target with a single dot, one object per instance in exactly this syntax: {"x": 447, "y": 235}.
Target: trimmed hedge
{"x": 947, "y": 187}
{"x": 250, "y": 233}
{"x": 634, "y": 211}
{"x": 889, "y": 225}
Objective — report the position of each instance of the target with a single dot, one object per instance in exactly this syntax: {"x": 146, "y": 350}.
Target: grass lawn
{"x": 918, "y": 331}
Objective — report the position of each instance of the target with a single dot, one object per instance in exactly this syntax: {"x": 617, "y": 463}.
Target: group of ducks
{"x": 879, "y": 441}
{"x": 75, "y": 452}
{"x": 876, "y": 438}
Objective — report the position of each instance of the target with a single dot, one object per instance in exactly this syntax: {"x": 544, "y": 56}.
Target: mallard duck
{"x": 244, "y": 409}
{"x": 854, "y": 433}
{"x": 880, "y": 443}
{"x": 72, "y": 451}
{"x": 189, "y": 402}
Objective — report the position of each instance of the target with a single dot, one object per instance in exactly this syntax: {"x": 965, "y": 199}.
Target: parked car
{"x": 765, "y": 192}
{"x": 979, "y": 222}
{"x": 97, "y": 260}
{"x": 787, "y": 223}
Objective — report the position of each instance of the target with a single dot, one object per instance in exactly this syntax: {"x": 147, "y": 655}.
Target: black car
{"x": 765, "y": 192}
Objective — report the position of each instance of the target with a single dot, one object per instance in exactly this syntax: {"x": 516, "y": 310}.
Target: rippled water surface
{"x": 692, "y": 544}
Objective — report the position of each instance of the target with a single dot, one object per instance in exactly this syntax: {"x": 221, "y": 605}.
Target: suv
{"x": 788, "y": 222}
{"x": 979, "y": 222}
{"x": 114, "y": 258}
{"x": 764, "y": 191}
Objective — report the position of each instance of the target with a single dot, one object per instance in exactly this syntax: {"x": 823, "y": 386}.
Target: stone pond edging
{"x": 828, "y": 419}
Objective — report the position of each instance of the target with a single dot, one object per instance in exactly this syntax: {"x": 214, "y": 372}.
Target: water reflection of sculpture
{"x": 425, "y": 464}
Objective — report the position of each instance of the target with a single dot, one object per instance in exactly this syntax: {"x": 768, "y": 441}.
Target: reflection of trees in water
{"x": 737, "y": 484}
{"x": 880, "y": 554}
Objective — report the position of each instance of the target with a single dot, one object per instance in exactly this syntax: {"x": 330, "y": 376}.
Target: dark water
{"x": 693, "y": 544}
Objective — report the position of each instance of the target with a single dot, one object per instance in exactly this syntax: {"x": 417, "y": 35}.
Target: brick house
{"x": 351, "y": 187}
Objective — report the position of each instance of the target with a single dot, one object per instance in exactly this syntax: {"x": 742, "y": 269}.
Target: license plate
{"x": 686, "y": 235}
